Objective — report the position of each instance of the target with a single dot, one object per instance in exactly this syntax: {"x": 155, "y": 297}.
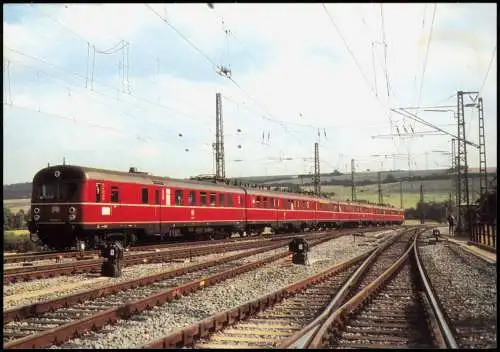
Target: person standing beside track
{"x": 451, "y": 223}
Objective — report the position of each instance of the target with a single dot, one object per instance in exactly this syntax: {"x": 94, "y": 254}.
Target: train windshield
{"x": 60, "y": 191}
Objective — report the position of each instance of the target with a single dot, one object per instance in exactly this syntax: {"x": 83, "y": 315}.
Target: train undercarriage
{"x": 66, "y": 236}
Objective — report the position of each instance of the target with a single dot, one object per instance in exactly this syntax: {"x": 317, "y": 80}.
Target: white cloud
{"x": 302, "y": 75}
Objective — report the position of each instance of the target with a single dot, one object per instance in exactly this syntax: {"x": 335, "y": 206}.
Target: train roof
{"x": 147, "y": 179}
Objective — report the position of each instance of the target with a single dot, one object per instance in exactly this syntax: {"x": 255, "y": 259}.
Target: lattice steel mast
{"x": 220, "y": 170}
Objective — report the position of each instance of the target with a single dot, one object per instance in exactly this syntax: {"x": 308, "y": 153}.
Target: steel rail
{"x": 429, "y": 292}
{"x": 36, "y": 256}
{"x": 31, "y": 310}
{"x": 96, "y": 321}
{"x": 339, "y": 315}
{"x": 93, "y": 265}
{"x": 187, "y": 335}
{"x": 302, "y": 338}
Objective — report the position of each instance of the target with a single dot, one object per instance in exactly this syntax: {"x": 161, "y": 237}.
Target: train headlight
{"x": 36, "y": 210}
{"x": 72, "y": 217}
{"x": 36, "y": 217}
{"x": 72, "y": 210}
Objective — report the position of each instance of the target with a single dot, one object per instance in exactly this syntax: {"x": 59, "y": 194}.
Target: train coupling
{"x": 299, "y": 247}
{"x": 113, "y": 259}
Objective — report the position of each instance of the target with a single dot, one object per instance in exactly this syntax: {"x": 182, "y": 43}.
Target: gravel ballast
{"x": 161, "y": 320}
{"x": 466, "y": 287}
{"x": 83, "y": 282}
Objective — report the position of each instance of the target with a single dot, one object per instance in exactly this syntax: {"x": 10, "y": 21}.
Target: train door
{"x": 158, "y": 209}
{"x": 276, "y": 207}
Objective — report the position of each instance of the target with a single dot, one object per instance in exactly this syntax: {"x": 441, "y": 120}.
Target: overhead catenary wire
{"x": 105, "y": 95}
{"x": 123, "y": 132}
{"x": 73, "y": 87}
{"x": 145, "y": 100}
{"x": 493, "y": 54}
{"x": 418, "y": 119}
{"x": 332, "y": 21}
{"x": 232, "y": 35}
{"x": 385, "y": 49}
{"x": 215, "y": 66}
{"x": 426, "y": 55}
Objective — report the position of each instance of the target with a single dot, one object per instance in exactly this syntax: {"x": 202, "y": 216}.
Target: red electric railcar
{"x": 72, "y": 203}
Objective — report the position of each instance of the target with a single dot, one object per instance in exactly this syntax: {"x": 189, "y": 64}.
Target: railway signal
{"x": 113, "y": 256}
{"x": 299, "y": 247}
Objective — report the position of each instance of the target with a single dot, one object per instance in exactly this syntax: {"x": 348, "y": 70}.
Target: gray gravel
{"x": 159, "y": 321}
{"x": 13, "y": 293}
{"x": 466, "y": 287}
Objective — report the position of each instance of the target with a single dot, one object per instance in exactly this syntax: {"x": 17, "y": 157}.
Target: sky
{"x": 120, "y": 85}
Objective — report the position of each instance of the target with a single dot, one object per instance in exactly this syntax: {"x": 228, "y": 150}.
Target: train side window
{"x": 98, "y": 192}
{"x": 157, "y": 196}
{"x": 145, "y": 196}
{"x": 229, "y": 200}
{"x": 179, "y": 194}
{"x": 257, "y": 202}
{"x": 192, "y": 198}
{"x": 213, "y": 199}
{"x": 203, "y": 199}
{"x": 115, "y": 195}
{"x": 265, "y": 204}
{"x": 221, "y": 200}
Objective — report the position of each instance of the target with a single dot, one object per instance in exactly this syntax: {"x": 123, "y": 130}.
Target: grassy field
{"x": 434, "y": 191}
{"x": 417, "y": 222}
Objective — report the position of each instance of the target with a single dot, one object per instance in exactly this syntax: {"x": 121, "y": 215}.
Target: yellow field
{"x": 16, "y": 232}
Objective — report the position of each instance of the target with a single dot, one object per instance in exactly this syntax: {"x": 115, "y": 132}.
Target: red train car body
{"x": 72, "y": 203}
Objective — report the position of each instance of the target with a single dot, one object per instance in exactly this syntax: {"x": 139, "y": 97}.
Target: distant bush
{"x": 20, "y": 243}
{"x": 13, "y": 221}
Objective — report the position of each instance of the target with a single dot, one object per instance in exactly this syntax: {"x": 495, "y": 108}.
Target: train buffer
{"x": 299, "y": 247}
{"x": 113, "y": 259}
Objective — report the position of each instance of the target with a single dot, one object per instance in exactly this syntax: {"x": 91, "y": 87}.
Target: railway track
{"x": 56, "y": 321}
{"x": 94, "y": 265}
{"x": 298, "y": 315}
{"x": 397, "y": 310}
{"x": 466, "y": 285}
{"x": 40, "y": 256}
{"x": 277, "y": 317}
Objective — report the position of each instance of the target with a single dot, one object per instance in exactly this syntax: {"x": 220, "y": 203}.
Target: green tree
{"x": 7, "y": 218}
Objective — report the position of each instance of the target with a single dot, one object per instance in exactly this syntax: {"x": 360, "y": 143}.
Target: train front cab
{"x": 56, "y": 206}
